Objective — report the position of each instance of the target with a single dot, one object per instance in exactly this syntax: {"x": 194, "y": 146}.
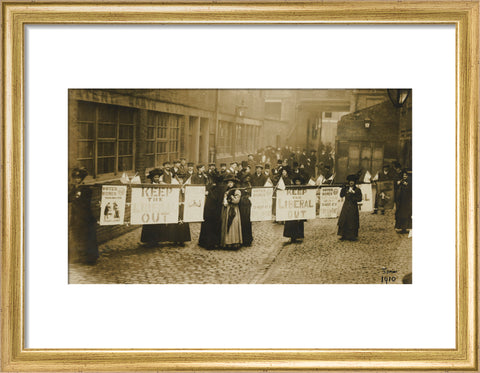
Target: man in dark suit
{"x": 259, "y": 178}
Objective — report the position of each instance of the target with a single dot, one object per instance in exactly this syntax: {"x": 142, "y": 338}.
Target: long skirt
{"x": 294, "y": 229}
{"x": 82, "y": 241}
{"x": 231, "y": 234}
{"x": 244, "y": 207}
{"x": 348, "y": 222}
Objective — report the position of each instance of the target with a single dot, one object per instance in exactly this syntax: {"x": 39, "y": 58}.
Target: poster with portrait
{"x": 112, "y": 206}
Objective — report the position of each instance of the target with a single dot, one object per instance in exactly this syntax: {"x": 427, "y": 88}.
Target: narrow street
{"x": 320, "y": 259}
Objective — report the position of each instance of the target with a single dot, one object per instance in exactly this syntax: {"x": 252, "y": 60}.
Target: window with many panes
{"x": 225, "y": 130}
{"x": 163, "y": 136}
{"x": 105, "y": 138}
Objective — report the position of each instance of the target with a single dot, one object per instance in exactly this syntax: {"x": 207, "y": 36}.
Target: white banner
{"x": 367, "y": 198}
{"x": 295, "y": 204}
{"x": 330, "y": 202}
{"x": 261, "y": 204}
{"x": 154, "y": 205}
{"x": 194, "y": 203}
{"x": 112, "y": 207}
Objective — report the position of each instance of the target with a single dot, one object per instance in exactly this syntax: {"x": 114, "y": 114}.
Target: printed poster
{"x": 295, "y": 204}
{"x": 261, "y": 204}
{"x": 194, "y": 203}
{"x": 112, "y": 206}
{"x": 154, "y": 205}
{"x": 330, "y": 202}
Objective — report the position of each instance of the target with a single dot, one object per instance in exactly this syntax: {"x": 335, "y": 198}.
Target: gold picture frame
{"x": 465, "y": 17}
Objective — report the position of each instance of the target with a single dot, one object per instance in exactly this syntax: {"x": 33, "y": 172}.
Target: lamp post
{"x": 398, "y": 96}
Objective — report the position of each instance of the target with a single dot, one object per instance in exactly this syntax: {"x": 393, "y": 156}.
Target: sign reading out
{"x": 112, "y": 207}
{"x": 330, "y": 202}
{"x": 154, "y": 205}
{"x": 261, "y": 204}
{"x": 194, "y": 203}
{"x": 295, "y": 204}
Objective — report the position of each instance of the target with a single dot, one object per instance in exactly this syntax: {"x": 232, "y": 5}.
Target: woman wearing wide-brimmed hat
{"x": 231, "y": 230}
{"x": 349, "y": 220}
{"x": 82, "y": 225}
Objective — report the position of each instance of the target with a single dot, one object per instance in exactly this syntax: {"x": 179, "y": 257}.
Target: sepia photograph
{"x": 237, "y": 186}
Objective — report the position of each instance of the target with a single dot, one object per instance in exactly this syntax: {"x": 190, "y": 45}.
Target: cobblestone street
{"x": 320, "y": 259}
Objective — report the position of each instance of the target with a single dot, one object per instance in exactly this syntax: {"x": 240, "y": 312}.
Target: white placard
{"x": 194, "y": 203}
{"x": 330, "y": 202}
{"x": 154, "y": 205}
{"x": 112, "y": 207}
{"x": 261, "y": 204}
{"x": 367, "y": 198}
{"x": 295, "y": 204}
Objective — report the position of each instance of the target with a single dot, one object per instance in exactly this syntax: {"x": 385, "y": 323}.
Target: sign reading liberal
{"x": 194, "y": 203}
{"x": 330, "y": 202}
{"x": 112, "y": 207}
{"x": 367, "y": 199}
{"x": 295, "y": 204}
{"x": 261, "y": 204}
{"x": 154, "y": 205}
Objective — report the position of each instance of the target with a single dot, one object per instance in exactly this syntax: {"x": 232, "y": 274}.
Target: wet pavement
{"x": 379, "y": 256}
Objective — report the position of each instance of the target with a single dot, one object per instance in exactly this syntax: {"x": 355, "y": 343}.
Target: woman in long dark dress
{"x": 153, "y": 233}
{"x": 209, "y": 231}
{"x": 403, "y": 202}
{"x": 349, "y": 220}
{"x": 294, "y": 229}
{"x": 82, "y": 225}
{"x": 245, "y": 206}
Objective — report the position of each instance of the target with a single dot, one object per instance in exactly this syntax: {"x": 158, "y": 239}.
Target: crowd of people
{"x": 227, "y": 223}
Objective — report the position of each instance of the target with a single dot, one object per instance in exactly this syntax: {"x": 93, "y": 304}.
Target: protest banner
{"x": 154, "y": 205}
{"x": 367, "y": 199}
{"x": 112, "y": 206}
{"x": 295, "y": 204}
{"x": 261, "y": 204}
{"x": 330, "y": 202}
{"x": 385, "y": 193}
{"x": 194, "y": 203}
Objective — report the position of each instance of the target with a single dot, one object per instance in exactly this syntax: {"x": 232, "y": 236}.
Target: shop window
{"x": 105, "y": 136}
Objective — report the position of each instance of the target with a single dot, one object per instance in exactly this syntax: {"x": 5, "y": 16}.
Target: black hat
{"x": 154, "y": 172}
{"x": 199, "y": 166}
{"x": 259, "y": 166}
{"x": 267, "y": 166}
{"x": 79, "y": 172}
{"x": 223, "y": 165}
{"x": 386, "y": 165}
{"x": 190, "y": 164}
{"x": 183, "y": 159}
{"x": 313, "y": 151}
{"x": 397, "y": 165}
{"x": 279, "y": 161}
{"x": 212, "y": 164}
{"x": 352, "y": 177}
{"x": 176, "y": 161}
{"x": 295, "y": 164}
{"x": 166, "y": 162}
{"x": 244, "y": 163}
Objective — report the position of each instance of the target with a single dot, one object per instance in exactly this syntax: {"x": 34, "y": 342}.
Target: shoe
{"x": 374, "y": 212}
{"x": 383, "y": 212}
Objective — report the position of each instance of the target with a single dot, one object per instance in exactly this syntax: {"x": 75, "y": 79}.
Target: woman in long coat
{"x": 349, "y": 220}
{"x": 82, "y": 227}
{"x": 245, "y": 206}
{"x": 403, "y": 202}
{"x": 231, "y": 229}
{"x": 153, "y": 233}
{"x": 209, "y": 233}
{"x": 294, "y": 229}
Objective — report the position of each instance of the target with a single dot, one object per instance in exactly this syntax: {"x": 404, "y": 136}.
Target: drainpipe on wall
{"x": 215, "y": 118}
